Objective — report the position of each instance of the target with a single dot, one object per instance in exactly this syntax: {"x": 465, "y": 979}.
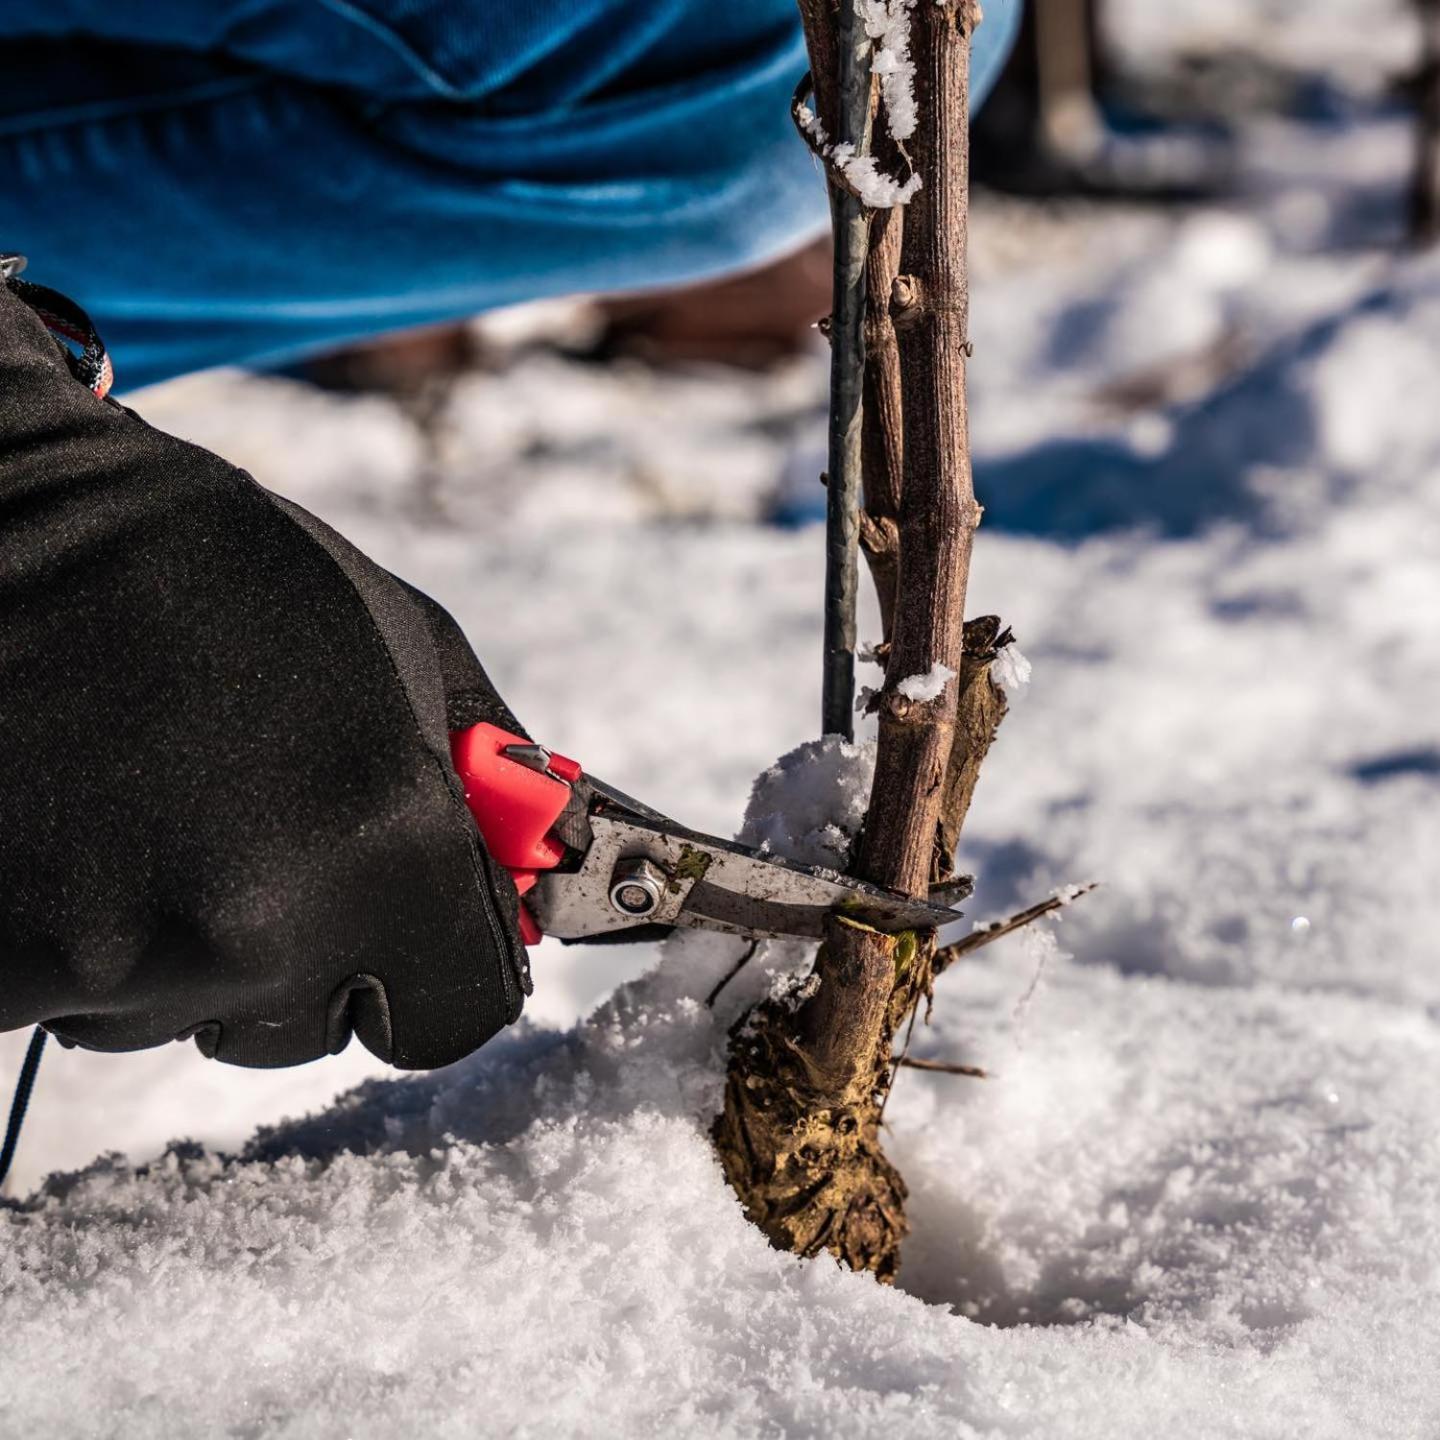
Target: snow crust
{"x": 1200, "y": 1195}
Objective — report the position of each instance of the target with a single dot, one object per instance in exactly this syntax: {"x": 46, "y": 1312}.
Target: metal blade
{"x": 697, "y": 880}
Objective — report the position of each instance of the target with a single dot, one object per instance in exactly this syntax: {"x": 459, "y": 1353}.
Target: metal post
{"x": 847, "y": 377}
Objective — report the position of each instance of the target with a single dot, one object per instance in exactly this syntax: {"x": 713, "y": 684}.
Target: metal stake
{"x": 851, "y": 225}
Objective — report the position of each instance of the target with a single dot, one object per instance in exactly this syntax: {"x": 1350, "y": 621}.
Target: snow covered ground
{"x": 1201, "y": 1194}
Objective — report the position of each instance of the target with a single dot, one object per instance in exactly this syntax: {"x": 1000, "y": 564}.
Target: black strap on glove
{"x": 226, "y": 804}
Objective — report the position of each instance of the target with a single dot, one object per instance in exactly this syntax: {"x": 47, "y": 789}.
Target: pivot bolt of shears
{"x": 637, "y": 887}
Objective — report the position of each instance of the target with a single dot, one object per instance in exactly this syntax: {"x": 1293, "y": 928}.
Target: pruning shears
{"x": 592, "y": 864}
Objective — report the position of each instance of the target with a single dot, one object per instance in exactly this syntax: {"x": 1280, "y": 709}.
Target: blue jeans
{"x": 246, "y": 181}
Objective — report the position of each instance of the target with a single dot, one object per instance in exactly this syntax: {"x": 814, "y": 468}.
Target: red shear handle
{"x": 514, "y": 804}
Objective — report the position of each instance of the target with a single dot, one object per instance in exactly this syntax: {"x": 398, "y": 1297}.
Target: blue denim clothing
{"x": 245, "y": 181}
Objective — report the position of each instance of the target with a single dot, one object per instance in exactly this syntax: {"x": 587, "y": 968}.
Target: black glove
{"x": 227, "y": 809}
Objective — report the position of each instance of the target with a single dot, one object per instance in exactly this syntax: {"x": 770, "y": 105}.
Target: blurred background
{"x": 1207, "y": 330}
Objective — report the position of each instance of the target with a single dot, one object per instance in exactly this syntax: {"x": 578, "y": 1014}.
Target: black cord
{"x": 18, "y": 1106}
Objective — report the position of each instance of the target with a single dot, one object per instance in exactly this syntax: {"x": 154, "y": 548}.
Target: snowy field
{"x": 1201, "y": 1193}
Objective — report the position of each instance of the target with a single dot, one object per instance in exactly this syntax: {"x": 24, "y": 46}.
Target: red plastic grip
{"x": 530, "y": 931}
{"x": 514, "y": 806}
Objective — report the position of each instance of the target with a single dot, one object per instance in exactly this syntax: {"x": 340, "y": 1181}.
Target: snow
{"x": 877, "y": 189}
{"x": 1010, "y": 670}
{"x": 810, "y": 804}
{"x": 887, "y": 22}
{"x": 874, "y": 187}
{"x": 1199, "y": 1195}
{"x": 1368, "y": 49}
{"x": 928, "y": 686}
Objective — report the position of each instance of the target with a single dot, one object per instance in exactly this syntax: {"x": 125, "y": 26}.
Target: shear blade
{"x": 710, "y": 884}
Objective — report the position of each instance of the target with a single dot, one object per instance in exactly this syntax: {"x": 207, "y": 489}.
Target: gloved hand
{"x": 226, "y": 804}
